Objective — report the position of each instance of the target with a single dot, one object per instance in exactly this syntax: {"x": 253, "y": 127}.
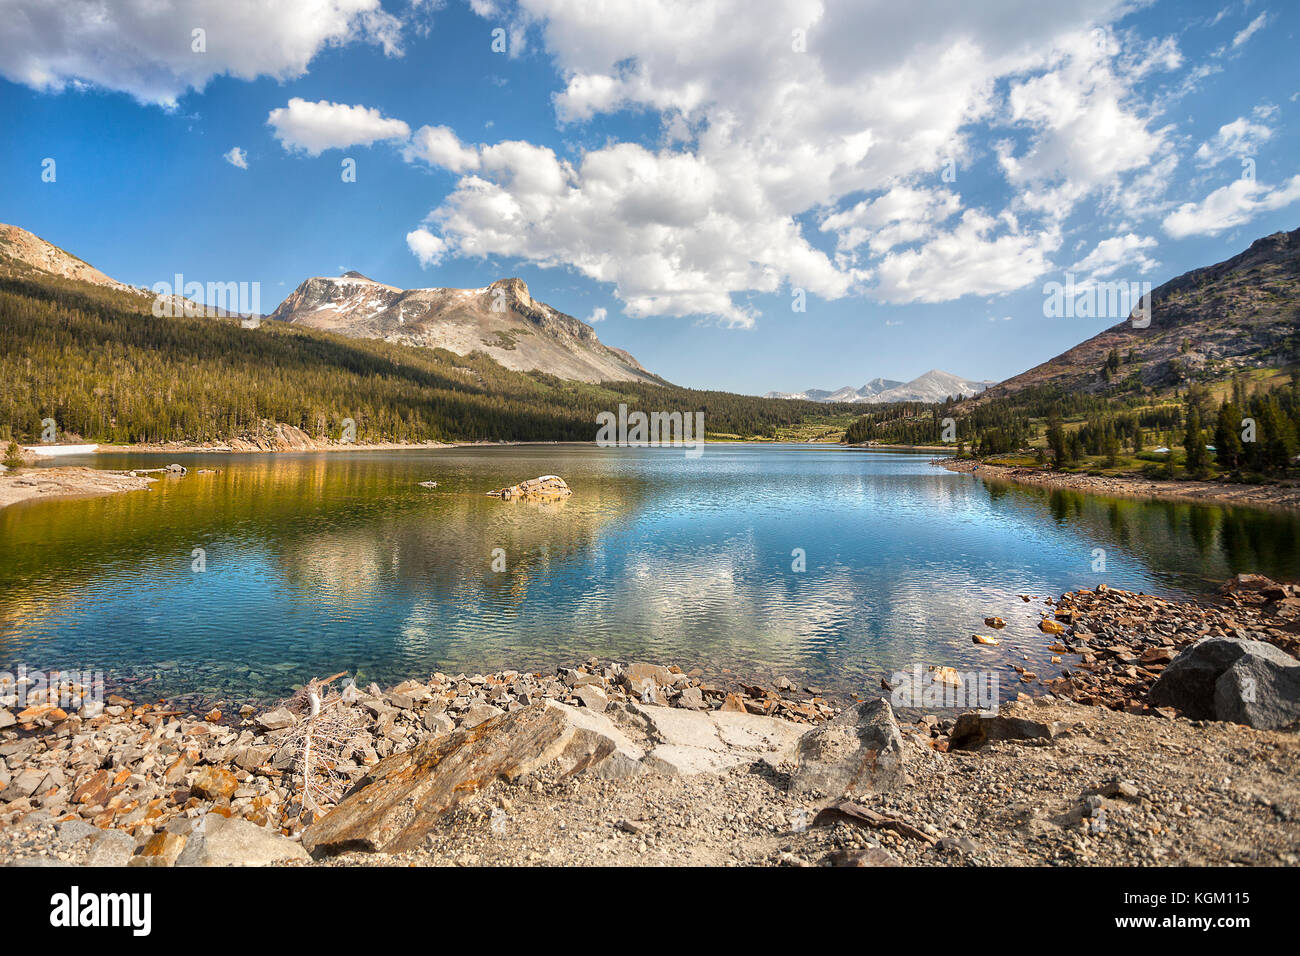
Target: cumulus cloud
{"x": 1086, "y": 132}
{"x": 672, "y": 233}
{"x": 845, "y": 119}
{"x": 427, "y": 247}
{"x": 149, "y": 49}
{"x": 236, "y": 157}
{"x": 598, "y": 314}
{"x": 315, "y": 127}
{"x": 439, "y": 146}
{"x": 1110, "y": 255}
{"x": 981, "y": 256}
{"x": 1233, "y": 205}
{"x": 903, "y": 214}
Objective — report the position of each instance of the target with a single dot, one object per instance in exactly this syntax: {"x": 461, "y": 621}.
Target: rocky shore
{"x": 65, "y": 482}
{"x": 1132, "y": 486}
{"x": 1118, "y": 761}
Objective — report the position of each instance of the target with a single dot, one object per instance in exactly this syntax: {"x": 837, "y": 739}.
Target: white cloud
{"x": 671, "y": 233}
{"x": 1088, "y": 136}
{"x": 758, "y": 139}
{"x": 1110, "y": 254}
{"x": 439, "y": 146}
{"x": 236, "y": 157}
{"x": 1239, "y": 138}
{"x": 147, "y": 47}
{"x": 598, "y": 314}
{"x": 1229, "y": 206}
{"x": 314, "y": 127}
{"x": 428, "y": 248}
{"x": 1251, "y": 29}
{"x": 981, "y": 256}
{"x": 903, "y": 214}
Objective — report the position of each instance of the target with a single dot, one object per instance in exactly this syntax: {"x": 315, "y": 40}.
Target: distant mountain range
{"x": 934, "y": 386}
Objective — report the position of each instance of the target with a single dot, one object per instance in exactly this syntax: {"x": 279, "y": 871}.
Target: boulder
{"x": 480, "y": 713}
{"x": 684, "y": 742}
{"x": 859, "y": 752}
{"x": 161, "y": 849}
{"x": 1260, "y": 690}
{"x": 543, "y": 488}
{"x": 1226, "y": 678}
{"x": 277, "y": 719}
{"x": 230, "y": 841}
{"x": 215, "y": 783}
{"x": 438, "y": 724}
{"x": 400, "y": 800}
{"x": 592, "y": 697}
{"x": 973, "y": 730}
{"x": 110, "y": 848}
{"x": 656, "y": 672}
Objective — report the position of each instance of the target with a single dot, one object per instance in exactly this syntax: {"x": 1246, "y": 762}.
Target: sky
{"x": 750, "y": 195}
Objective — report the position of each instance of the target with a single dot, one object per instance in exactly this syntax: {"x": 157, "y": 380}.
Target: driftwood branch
{"x": 856, "y": 813}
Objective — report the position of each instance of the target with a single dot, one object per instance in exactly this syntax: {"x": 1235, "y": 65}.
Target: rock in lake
{"x": 543, "y": 488}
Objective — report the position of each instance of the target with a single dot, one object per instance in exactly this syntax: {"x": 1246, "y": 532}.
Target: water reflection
{"x": 317, "y": 563}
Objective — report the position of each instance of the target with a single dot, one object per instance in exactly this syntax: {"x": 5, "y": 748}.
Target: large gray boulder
{"x": 1260, "y": 690}
{"x": 1226, "y": 678}
{"x": 859, "y": 752}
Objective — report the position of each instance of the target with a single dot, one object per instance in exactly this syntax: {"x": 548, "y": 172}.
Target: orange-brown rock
{"x": 400, "y": 800}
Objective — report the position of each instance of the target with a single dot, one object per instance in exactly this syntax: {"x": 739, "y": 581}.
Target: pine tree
{"x": 1194, "y": 443}
{"x": 1227, "y": 437}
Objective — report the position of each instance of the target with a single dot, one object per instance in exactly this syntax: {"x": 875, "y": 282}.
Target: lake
{"x": 829, "y": 565}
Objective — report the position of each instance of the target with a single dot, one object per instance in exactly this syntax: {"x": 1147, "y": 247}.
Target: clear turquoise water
{"x": 319, "y": 563}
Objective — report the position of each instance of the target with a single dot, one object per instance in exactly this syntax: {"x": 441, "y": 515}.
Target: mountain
{"x": 846, "y": 394}
{"x": 1205, "y": 325}
{"x": 96, "y": 360}
{"x": 20, "y": 248}
{"x": 501, "y": 320}
{"x": 933, "y": 386}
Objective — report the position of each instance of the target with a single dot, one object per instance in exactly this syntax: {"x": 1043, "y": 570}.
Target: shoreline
{"x": 248, "y": 448}
{"x": 1127, "y": 486}
{"x": 609, "y": 763}
{"x": 66, "y": 481}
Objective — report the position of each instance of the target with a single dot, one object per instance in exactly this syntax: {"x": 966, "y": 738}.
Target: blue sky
{"x": 919, "y": 171}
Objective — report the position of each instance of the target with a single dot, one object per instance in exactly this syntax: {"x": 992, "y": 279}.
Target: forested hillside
{"x": 104, "y": 369}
